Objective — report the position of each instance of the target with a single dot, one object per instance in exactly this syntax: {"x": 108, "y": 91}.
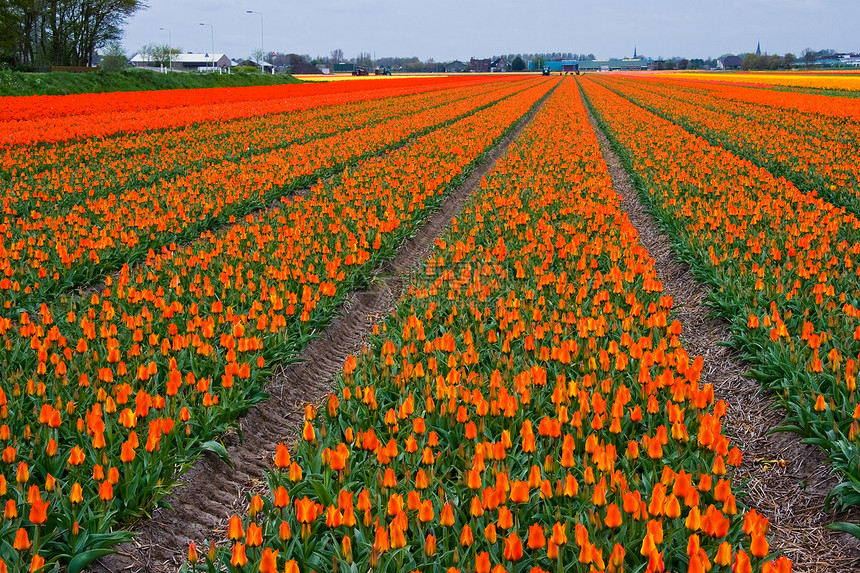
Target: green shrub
{"x": 14, "y": 83}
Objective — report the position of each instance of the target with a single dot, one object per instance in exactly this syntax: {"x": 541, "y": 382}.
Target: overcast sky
{"x": 459, "y": 29}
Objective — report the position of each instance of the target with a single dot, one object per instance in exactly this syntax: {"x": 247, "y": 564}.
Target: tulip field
{"x": 527, "y": 406}
{"x": 114, "y": 387}
{"x": 782, "y": 259}
{"x": 813, "y": 146}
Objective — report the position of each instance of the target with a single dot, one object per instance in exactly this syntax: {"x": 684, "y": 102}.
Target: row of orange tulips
{"x": 815, "y": 152}
{"x": 34, "y": 119}
{"x": 782, "y": 265}
{"x": 60, "y": 172}
{"x": 527, "y": 407}
{"x": 105, "y": 397}
{"x": 59, "y": 245}
{"x": 838, "y": 108}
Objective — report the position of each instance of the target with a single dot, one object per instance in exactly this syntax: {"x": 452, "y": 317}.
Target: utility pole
{"x": 262, "y": 47}
{"x": 212, "y": 53}
{"x": 169, "y": 49}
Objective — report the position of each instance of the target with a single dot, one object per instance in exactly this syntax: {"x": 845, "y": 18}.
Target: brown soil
{"x": 787, "y": 480}
{"x": 212, "y": 491}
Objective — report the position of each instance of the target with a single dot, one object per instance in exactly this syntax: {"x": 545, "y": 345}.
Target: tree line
{"x": 776, "y": 62}
{"x": 749, "y": 61}
{"x": 41, "y": 33}
{"x": 517, "y": 62}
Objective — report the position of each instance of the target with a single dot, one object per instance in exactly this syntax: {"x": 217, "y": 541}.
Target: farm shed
{"x": 562, "y": 65}
{"x": 615, "y": 64}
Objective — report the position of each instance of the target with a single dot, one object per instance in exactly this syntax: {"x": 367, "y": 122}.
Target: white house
{"x": 187, "y": 62}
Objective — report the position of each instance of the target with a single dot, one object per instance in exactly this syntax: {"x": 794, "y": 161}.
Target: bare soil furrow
{"x": 162, "y": 541}
{"x": 784, "y": 479}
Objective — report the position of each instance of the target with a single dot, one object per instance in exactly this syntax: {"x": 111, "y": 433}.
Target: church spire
{"x": 634, "y": 52}
{"x": 758, "y": 49}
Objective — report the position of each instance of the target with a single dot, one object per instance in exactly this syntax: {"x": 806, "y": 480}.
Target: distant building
{"x": 481, "y": 66}
{"x": 499, "y": 65}
{"x": 252, "y": 64}
{"x": 616, "y": 64}
{"x": 456, "y": 66}
{"x": 844, "y": 59}
{"x": 187, "y": 62}
{"x": 730, "y": 63}
{"x": 295, "y": 64}
{"x": 562, "y": 65}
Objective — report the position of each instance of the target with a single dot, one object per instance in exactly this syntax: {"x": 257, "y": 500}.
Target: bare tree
{"x": 336, "y": 56}
{"x": 158, "y": 54}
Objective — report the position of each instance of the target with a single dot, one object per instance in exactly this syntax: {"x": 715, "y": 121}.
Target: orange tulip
{"x": 513, "y": 547}
{"x": 398, "y": 538}
{"x": 447, "y": 519}
{"x": 235, "y": 531}
{"x": 346, "y": 548}
{"x": 425, "y": 513}
{"x": 22, "y": 540}
{"x": 106, "y": 491}
{"x": 742, "y": 563}
{"x": 39, "y": 511}
{"x": 482, "y": 562}
{"x": 466, "y": 537}
{"x": 193, "y": 557}
{"x": 282, "y": 457}
{"x": 381, "y": 542}
{"x": 536, "y": 537}
{"x": 613, "y": 516}
{"x": 127, "y": 454}
{"x": 280, "y": 497}
{"x": 759, "y": 546}
{"x": 76, "y": 495}
{"x": 430, "y": 545}
{"x": 269, "y": 561}
{"x": 306, "y": 510}
{"x": 559, "y": 535}
{"x": 506, "y": 518}
{"x": 36, "y": 563}
{"x": 519, "y": 492}
{"x": 22, "y": 474}
{"x": 238, "y": 559}
{"x": 254, "y": 535}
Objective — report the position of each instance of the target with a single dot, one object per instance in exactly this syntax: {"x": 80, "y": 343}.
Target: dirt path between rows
{"x": 790, "y": 494}
{"x": 212, "y": 491}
